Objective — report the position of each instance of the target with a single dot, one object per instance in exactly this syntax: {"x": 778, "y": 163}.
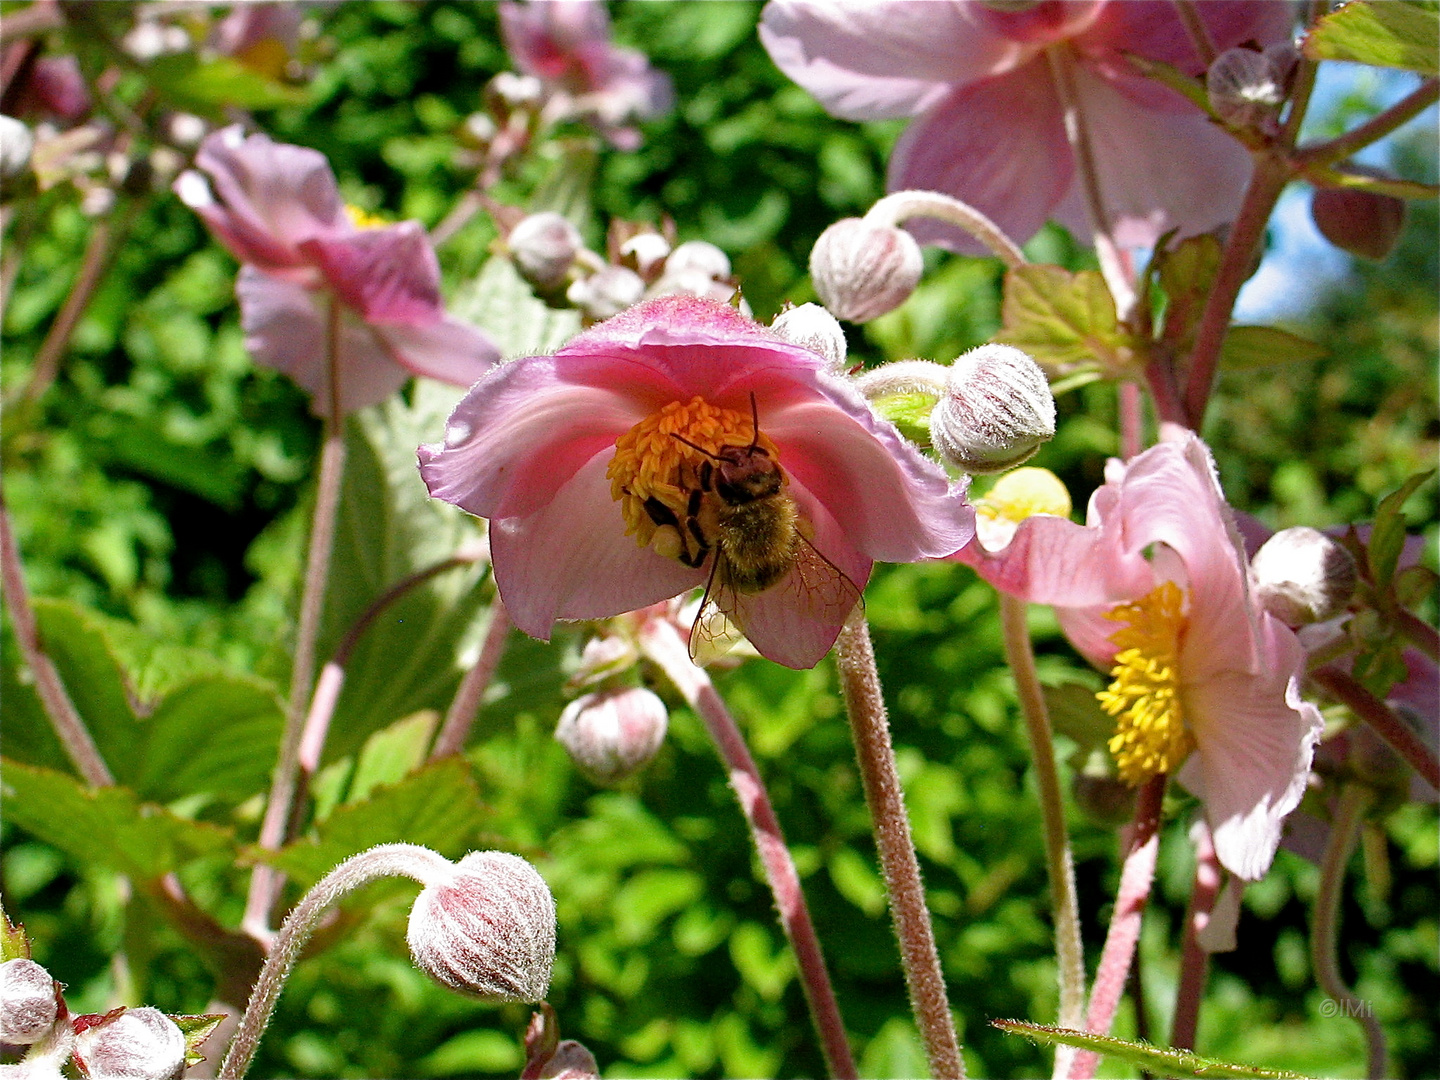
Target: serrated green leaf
{"x": 1151, "y": 1059}
{"x": 107, "y": 827}
{"x": 14, "y": 945}
{"x": 437, "y": 807}
{"x": 1075, "y": 712}
{"x": 1248, "y": 347}
{"x": 1063, "y": 320}
{"x": 217, "y": 734}
{"x": 1186, "y": 272}
{"x": 1392, "y": 34}
{"x": 392, "y": 752}
{"x": 196, "y": 1029}
{"x": 1387, "y": 535}
{"x": 505, "y": 307}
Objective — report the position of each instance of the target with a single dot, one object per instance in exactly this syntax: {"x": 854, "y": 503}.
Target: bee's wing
{"x": 714, "y": 632}
{"x": 818, "y": 587}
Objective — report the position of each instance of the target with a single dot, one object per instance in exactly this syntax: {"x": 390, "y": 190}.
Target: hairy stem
{"x": 1195, "y": 960}
{"x": 465, "y": 706}
{"x": 903, "y": 205}
{"x": 865, "y": 704}
{"x": 1060, "y": 867}
{"x": 1346, "y": 689}
{"x": 661, "y": 642}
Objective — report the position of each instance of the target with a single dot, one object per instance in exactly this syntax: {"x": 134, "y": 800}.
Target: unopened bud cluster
{"x": 1303, "y": 576}
{"x": 996, "y": 412}
{"x": 613, "y": 733}
{"x": 28, "y": 1005}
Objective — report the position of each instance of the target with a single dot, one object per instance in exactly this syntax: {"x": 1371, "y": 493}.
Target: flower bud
{"x": 1246, "y": 88}
{"x": 16, "y": 144}
{"x": 607, "y": 292}
{"x": 543, "y": 247}
{"x": 645, "y": 253}
{"x": 488, "y": 930}
{"x": 28, "y": 1005}
{"x": 508, "y": 91}
{"x": 612, "y": 733}
{"x": 602, "y": 658}
{"x": 862, "y": 269}
{"x": 571, "y": 1061}
{"x": 1363, "y": 223}
{"x": 812, "y": 327}
{"x": 130, "y": 1044}
{"x": 996, "y": 412}
{"x": 699, "y": 255}
{"x": 1303, "y": 576}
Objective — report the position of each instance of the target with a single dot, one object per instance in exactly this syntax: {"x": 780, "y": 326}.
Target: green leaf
{"x": 649, "y": 897}
{"x": 473, "y": 1052}
{"x": 391, "y": 753}
{"x": 196, "y": 1030}
{"x": 1075, "y": 712}
{"x": 1391, "y": 34}
{"x": 1151, "y": 1059}
{"x": 1063, "y": 320}
{"x": 1248, "y": 347}
{"x": 217, "y": 734}
{"x": 500, "y": 302}
{"x": 767, "y": 971}
{"x": 1186, "y": 272}
{"x": 208, "y": 86}
{"x": 14, "y": 945}
{"x": 108, "y": 827}
{"x": 1387, "y": 535}
{"x": 437, "y": 807}
{"x": 856, "y": 880}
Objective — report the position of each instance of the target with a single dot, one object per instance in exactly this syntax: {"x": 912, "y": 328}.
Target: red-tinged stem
{"x": 1318, "y": 155}
{"x": 1195, "y": 26}
{"x": 1347, "y": 690}
{"x": 1132, "y": 428}
{"x": 661, "y": 642}
{"x": 1420, "y": 633}
{"x": 865, "y": 705}
{"x": 465, "y": 706}
{"x": 63, "y": 715}
{"x": 1136, "y": 876}
{"x": 1194, "y": 960}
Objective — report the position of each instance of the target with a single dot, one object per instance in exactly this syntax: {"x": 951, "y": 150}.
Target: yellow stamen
{"x": 1150, "y": 733}
{"x": 363, "y": 219}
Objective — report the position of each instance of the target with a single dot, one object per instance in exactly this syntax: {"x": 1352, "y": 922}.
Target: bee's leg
{"x": 705, "y": 475}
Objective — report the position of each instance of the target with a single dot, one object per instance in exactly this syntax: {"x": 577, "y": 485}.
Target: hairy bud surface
{"x": 544, "y": 247}
{"x": 27, "y": 1002}
{"x": 996, "y": 411}
{"x": 812, "y": 327}
{"x": 1303, "y": 576}
{"x": 137, "y": 1044}
{"x": 613, "y": 733}
{"x": 862, "y": 269}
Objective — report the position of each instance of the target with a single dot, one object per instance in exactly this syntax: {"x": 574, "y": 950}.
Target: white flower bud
{"x": 16, "y": 143}
{"x": 1246, "y": 88}
{"x": 571, "y": 1061}
{"x": 812, "y": 327}
{"x": 1364, "y": 223}
{"x": 602, "y": 658}
{"x": 612, "y": 733}
{"x": 543, "y": 247}
{"x": 1303, "y": 576}
{"x": 28, "y": 1005}
{"x": 996, "y": 411}
{"x": 488, "y": 930}
{"x": 698, "y": 255}
{"x": 606, "y": 292}
{"x": 511, "y": 91}
{"x": 137, "y": 1044}
{"x": 862, "y": 269}
{"x": 645, "y": 252}
{"x": 691, "y": 282}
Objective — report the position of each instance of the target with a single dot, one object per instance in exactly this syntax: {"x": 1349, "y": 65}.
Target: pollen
{"x": 1144, "y": 695}
{"x": 651, "y": 462}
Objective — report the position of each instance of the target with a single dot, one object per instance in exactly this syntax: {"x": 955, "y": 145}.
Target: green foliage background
{"x": 166, "y": 494}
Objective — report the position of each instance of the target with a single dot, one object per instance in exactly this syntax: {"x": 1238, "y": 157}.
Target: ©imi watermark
{"x": 1352, "y": 1009}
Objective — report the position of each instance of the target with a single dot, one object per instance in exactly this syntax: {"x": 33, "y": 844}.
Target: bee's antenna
{"x": 687, "y": 442}
{"x": 754, "y": 421}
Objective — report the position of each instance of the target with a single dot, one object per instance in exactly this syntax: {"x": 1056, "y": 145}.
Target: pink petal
{"x": 543, "y": 39}
{"x": 999, "y": 145}
{"x": 448, "y": 350}
{"x": 869, "y": 61}
{"x": 571, "y": 558}
{"x": 388, "y": 275}
{"x": 1088, "y": 630}
{"x": 1051, "y": 560}
{"x": 1043, "y": 23}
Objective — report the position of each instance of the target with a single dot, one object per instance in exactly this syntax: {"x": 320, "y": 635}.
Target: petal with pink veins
{"x": 448, "y": 350}
{"x": 388, "y": 275}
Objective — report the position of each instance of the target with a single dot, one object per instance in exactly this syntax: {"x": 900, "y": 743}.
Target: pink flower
{"x": 597, "y": 506}
{"x": 990, "y": 121}
{"x": 1205, "y": 685}
{"x": 566, "y": 45}
{"x": 278, "y": 210}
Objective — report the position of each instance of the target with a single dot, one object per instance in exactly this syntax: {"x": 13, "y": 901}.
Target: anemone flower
{"x": 981, "y": 81}
{"x": 566, "y": 45}
{"x": 1154, "y": 589}
{"x": 277, "y": 209}
{"x": 603, "y": 470}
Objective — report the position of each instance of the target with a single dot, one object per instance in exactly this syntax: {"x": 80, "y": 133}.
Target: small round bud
{"x": 612, "y": 733}
{"x": 812, "y": 327}
{"x": 645, "y": 253}
{"x": 508, "y": 91}
{"x": 602, "y": 658}
{"x": 16, "y": 144}
{"x": 136, "y": 1044}
{"x": 1246, "y": 89}
{"x": 1016, "y": 496}
{"x": 571, "y": 1061}
{"x": 1363, "y": 223}
{"x": 1303, "y": 576}
{"x": 488, "y": 930}
{"x": 996, "y": 412}
{"x": 543, "y": 247}
{"x": 698, "y": 255}
{"x": 862, "y": 269}
{"x": 27, "y": 1002}
{"x": 691, "y": 282}
{"x": 607, "y": 292}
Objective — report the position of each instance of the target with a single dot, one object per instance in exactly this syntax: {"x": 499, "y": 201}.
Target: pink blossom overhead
{"x": 989, "y": 127}
{"x": 591, "y": 465}
{"x": 278, "y": 209}
{"x": 1154, "y": 589}
{"x": 566, "y": 45}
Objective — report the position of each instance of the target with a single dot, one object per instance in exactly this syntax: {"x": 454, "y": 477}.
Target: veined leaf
{"x": 1063, "y": 320}
{"x": 1387, "y": 534}
{"x": 1247, "y": 347}
{"x": 1393, "y": 34}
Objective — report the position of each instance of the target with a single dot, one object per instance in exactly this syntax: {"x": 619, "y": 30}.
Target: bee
{"x": 741, "y": 518}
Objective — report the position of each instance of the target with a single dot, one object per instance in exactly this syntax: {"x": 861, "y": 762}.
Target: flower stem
{"x": 387, "y": 860}
{"x": 1142, "y": 847}
{"x": 1069, "y": 952}
{"x": 1318, "y": 155}
{"x": 1355, "y": 799}
{"x": 63, "y": 715}
{"x": 1421, "y": 634}
{"x": 1195, "y": 960}
{"x": 1189, "y": 14}
{"x": 1346, "y": 689}
{"x": 903, "y": 205}
{"x": 1132, "y": 430}
{"x": 924, "y": 979}
{"x": 662, "y": 644}
{"x": 465, "y": 706}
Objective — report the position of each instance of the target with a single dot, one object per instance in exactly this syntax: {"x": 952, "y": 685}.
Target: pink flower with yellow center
{"x": 981, "y": 81}
{"x": 680, "y": 444}
{"x": 277, "y": 209}
{"x": 1154, "y": 589}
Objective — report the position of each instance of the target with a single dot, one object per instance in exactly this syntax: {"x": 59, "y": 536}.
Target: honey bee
{"x": 740, "y": 517}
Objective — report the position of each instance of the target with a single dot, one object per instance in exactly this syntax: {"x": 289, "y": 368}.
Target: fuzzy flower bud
{"x": 16, "y": 144}
{"x": 602, "y": 658}
{"x": 133, "y": 1044}
{"x": 699, "y": 255}
{"x": 812, "y": 327}
{"x": 1246, "y": 88}
{"x": 645, "y": 253}
{"x": 1363, "y": 223}
{"x": 543, "y": 247}
{"x": 862, "y": 269}
{"x": 571, "y": 1061}
{"x": 606, "y": 292}
{"x": 1303, "y": 576}
{"x": 27, "y": 1002}
{"x": 487, "y": 929}
{"x": 612, "y": 733}
{"x": 996, "y": 412}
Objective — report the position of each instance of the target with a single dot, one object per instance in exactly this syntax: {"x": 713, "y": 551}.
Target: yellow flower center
{"x": 1144, "y": 694}
{"x": 363, "y": 219}
{"x": 653, "y": 471}
{"x": 1017, "y": 495}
